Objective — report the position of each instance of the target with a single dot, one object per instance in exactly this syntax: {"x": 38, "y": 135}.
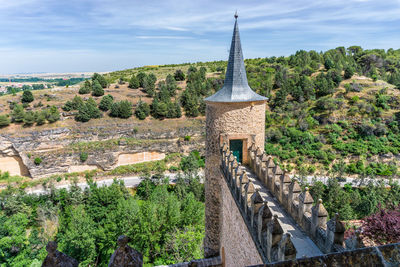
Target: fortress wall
{"x": 243, "y": 118}
{"x": 238, "y": 244}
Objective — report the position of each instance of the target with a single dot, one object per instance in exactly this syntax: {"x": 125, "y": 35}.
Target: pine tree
{"x": 142, "y": 110}
{"x": 4, "y": 121}
{"x": 97, "y": 89}
{"x": 18, "y": 113}
{"x": 53, "y": 114}
{"x": 29, "y": 118}
{"x": 179, "y": 75}
{"x": 40, "y": 118}
{"x": 94, "y": 111}
{"x": 141, "y": 76}
{"x": 134, "y": 82}
{"x": 106, "y": 102}
{"x": 27, "y": 97}
{"x": 85, "y": 88}
{"x": 100, "y": 78}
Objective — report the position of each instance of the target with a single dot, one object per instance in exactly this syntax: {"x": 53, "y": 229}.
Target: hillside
{"x": 332, "y": 113}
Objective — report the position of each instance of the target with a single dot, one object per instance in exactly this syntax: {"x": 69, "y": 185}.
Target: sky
{"x": 107, "y": 35}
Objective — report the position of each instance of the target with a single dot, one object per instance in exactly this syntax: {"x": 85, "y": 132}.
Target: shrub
{"x": 83, "y": 156}
{"x": 40, "y": 118}
{"x": 383, "y": 226}
{"x": 142, "y": 110}
{"x": 134, "y": 82}
{"x": 76, "y": 102}
{"x": 97, "y": 89}
{"x": 100, "y": 79}
{"x": 27, "y": 97}
{"x": 187, "y": 138}
{"x": 106, "y": 102}
{"x": 121, "y": 109}
{"x": 29, "y": 118}
{"x": 348, "y": 72}
{"x": 179, "y": 75}
{"x": 88, "y": 111}
{"x": 53, "y": 115}
{"x": 4, "y": 121}
{"x": 18, "y": 113}
{"x": 85, "y": 88}
{"x": 141, "y": 76}
{"x": 37, "y": 161}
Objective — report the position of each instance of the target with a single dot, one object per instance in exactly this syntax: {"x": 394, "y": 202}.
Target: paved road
{"x": 303, "y": 244}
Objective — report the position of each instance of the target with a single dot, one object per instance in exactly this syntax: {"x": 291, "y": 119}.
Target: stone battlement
{"x": 327, "y": 235}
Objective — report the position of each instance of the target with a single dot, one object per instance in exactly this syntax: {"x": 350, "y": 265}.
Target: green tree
{"x": 149, "y": 85}
{"x": 53, "y": 115}
{"x": 97, "y": 89}
{"x": 27, "y": 97}
{"x": 40, "y": 118}
{"x": 85, "y": 88}
{"x": 78, "y": 238}
{"x": 121, "y": 109}
{"x": 142, "y": 110}
{"x": 134, "y": 82}
{"x": 179, "y": 75}
{"x": 93, "y": 109}
{"x": 141, "y": 77}
{"x": 29, "y": 118}
{"x": 106, "y": 102}
{"x": 4, "y": 121}
{"x": 348, "y": 72}
{"x": 76, "y": 102}
{"x": 100, "y": 78}
{"x": 18, "y": 113}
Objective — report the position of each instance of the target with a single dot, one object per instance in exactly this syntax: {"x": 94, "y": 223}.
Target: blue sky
{"x": 105, "y": 35}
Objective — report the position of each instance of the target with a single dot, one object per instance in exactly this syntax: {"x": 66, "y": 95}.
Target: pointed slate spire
{"x": 236, "y": 87}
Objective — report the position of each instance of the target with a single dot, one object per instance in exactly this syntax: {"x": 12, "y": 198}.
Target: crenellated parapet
{"x": 265, "y": 228}
{"x": 312, "y": 218}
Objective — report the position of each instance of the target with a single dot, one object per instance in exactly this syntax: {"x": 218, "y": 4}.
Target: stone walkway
{"x": 304, "y": 245}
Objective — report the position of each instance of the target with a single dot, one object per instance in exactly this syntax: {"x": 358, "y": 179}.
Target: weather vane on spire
{"x": 236, "y": 14}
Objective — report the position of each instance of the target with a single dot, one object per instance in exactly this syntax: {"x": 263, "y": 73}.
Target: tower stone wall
{"x": 224, "y": 121}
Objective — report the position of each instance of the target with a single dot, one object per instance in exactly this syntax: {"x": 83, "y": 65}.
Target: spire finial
{"x": 236, "y": 15}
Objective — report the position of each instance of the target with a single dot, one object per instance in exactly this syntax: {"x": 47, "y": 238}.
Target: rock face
{"x": 60, "y": 149}
{"x": 56, "y": 258}
{"x": 125, "y": 256}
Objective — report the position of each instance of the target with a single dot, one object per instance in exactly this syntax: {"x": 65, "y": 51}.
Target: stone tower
{"x": 234, "y": 115}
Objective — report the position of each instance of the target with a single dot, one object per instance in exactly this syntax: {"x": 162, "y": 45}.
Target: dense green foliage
{"x": 97, "y": 89}
{"x": 27, "y": 97}
{"x": 106, "y": 102}
{"x": 142, "y": 110}
{"x": 352, "y": 202}
{"x": 165, "y": 223}
{"x": 121, "y": 109}
{"x": 4, "y": 121}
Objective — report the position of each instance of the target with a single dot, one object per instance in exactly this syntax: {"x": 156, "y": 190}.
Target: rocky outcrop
{"x": 59, "y": 149}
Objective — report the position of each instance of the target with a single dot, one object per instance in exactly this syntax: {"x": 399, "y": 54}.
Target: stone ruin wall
{"x": 225, "y": 118}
